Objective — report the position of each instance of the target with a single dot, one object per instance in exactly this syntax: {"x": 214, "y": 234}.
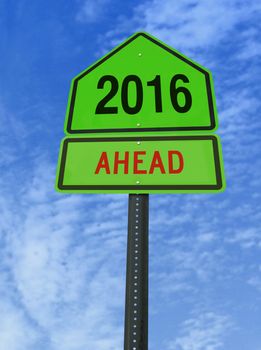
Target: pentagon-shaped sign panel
{"x": 142, "y": 85}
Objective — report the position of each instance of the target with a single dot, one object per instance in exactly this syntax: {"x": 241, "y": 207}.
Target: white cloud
{"x": 250, "y": 46}
{"x": 187, "y": 25}
{"x": 62, "y": 268}
{"x": 92, "y": 10}
{"x": 246, "y": 238}
{"x": 206, "y": 237}
{"x": 16, "y": 332}
{"x": 206, "y": 331}
{"x": 255, "y": 281}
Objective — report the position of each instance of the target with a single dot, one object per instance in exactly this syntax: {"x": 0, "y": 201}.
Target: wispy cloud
{"x": 66, "y": 280}
{"x": 92, "y": 10}
{"x": 248, "y": 238}
{"x": 15, "y": 329}
{"x": 255, "y": 281}
{"x": 188, "y": 25}
{"x": 201, "y": 332}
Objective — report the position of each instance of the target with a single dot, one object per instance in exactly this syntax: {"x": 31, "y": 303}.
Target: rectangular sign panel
{"x": 171, "y": 164}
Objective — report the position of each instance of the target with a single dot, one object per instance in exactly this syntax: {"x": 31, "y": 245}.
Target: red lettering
{"x": 103, "y": 164}
{"x": 181, "y": 162}
{"x": 137, "y": 161}
{"x": 157, "y": 163}
{"x": 124, "y": 161}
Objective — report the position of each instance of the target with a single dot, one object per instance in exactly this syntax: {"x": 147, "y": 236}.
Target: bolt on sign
{"x": 140, "y": 120}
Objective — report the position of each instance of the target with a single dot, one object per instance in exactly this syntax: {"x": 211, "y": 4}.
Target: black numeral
{"x": 157, "y": 89}
{"x": 101, "y": 107}
{"x": 174, "y": 93}
{"x": 124, "y": 94}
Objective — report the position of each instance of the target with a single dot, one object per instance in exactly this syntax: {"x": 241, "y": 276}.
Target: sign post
{"x": 136, "y": 304}
{"x": 139, "y": 121}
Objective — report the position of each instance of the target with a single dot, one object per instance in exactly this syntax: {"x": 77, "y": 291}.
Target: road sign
{"x": 142, "y": 85}
{"x": 141, "y": 165}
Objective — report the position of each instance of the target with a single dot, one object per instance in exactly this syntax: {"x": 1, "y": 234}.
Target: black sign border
{"x": 208, "y": 85}
{"x": 217, "y": 186}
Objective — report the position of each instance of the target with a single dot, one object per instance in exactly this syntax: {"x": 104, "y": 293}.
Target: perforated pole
{"x": 136, "y": 307}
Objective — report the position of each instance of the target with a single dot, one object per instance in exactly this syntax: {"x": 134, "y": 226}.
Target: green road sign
{"x": 142, "y": 85}
{"x": 171, "y": 164}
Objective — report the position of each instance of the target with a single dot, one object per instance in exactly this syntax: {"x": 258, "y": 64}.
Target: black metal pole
{"x": 136, "y": 307}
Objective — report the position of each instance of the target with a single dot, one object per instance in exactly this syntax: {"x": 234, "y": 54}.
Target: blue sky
{"x": 62, "y": 270}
